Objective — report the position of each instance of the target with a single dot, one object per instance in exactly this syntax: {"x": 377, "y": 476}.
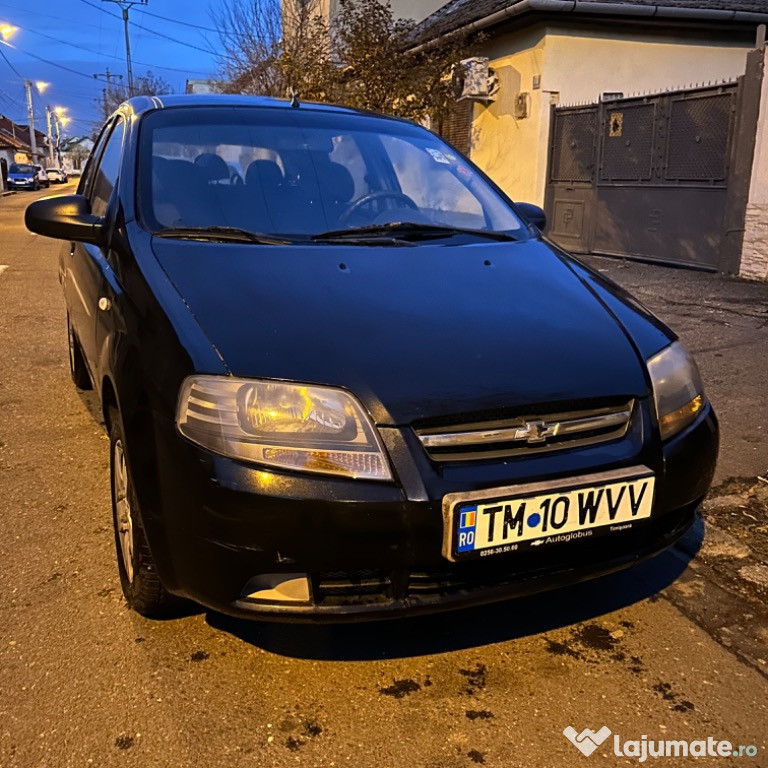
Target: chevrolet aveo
{"x": 345, "y": 377}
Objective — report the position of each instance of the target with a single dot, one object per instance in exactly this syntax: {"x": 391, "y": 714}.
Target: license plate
{"x": 516, "y": 518}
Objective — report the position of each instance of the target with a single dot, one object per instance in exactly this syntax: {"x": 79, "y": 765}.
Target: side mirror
{"x": 533, "y": 214}
{"x": 65, "y": 217}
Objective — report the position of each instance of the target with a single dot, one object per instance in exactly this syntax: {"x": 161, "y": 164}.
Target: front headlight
{"x": 677, "y": 389}
{"x": 290, "y": 426}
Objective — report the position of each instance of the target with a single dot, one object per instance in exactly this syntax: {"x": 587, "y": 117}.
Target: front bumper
{"x": 373, "y": 549}
{"x": 20, "y": 184}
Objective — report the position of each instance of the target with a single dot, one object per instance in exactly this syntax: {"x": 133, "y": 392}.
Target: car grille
{"x": 344, "y": 587}
{"x": 520, "y": 436}
{"x": 383, "y": 586}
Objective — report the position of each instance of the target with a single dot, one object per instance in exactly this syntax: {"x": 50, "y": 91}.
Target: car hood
{"x": 21, "y": 176}
{"x": 416, "y": 333}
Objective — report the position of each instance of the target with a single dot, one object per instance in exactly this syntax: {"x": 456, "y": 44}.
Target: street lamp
{"x": 60, "y": 120}
{"x": 52, "y": 116}
{"x": 40, "y": 86}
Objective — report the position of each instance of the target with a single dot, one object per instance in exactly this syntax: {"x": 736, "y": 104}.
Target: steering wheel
{"x": 371, "y": 196}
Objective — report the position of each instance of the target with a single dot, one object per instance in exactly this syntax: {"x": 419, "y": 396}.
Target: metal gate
{"x": 646, "y": 177}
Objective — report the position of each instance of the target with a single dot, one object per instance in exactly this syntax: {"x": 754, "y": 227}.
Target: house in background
{"x": 205, "y": 86}
{"x": 546, "y": 52}
{"x": 11, "y": 151}
{"x": 14, "y": 147}
{"x": 634, "y": 122}
{"x": 74, "y": 152}
{"x": 20, "y": 133}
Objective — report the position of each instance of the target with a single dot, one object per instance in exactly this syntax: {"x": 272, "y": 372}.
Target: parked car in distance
{"x": 23, "y": 176}
{"x": 56, "y": 176}
{"x": 361, "y": 383}
{"x": 42, "y": 177}
{"x": 74, "y": 172}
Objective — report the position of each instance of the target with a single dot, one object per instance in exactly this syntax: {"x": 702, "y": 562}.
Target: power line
{"x": 173, "y": 21}
{"x": 159, "y": 34}
{"x": 106, "y": 55}
{"x": 8, "y": 99}
{"x": 181, "y": 42}
{"x": 8, "y": 61}
{"x": 39, "y": 14}
{"x": 183, "y": 23}
{"x": 49, "y": 62}
{"x": 35, "y": 56}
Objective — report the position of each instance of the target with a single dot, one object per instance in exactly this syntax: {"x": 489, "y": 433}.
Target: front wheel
{"x": 141, "y": 585}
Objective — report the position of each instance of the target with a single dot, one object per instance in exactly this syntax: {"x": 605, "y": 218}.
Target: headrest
{"x": 265, "y": 173}
{"x": 336, "y": 181}
{"x": 213, "y": 167}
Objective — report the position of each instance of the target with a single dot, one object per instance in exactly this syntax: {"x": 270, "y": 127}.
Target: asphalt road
{"x": 670, "y": 650}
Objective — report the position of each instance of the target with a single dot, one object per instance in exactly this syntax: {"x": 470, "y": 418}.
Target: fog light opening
{"x": 278, "y": 588}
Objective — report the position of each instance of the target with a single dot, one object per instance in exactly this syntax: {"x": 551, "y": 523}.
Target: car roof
{"x": 141, "y": 104}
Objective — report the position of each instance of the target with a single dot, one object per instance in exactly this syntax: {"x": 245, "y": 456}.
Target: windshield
{"x": 22, "y": 168}
{"x": 303, "y": 173}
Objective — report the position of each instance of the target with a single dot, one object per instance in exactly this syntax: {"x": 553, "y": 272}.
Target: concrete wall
{"x": 577, "y": 65}
{"x": 415, "y": 9}
{"x": 754, "y": 255}
{"x": 511, "y": 151}
{"x": 403, "y": 9}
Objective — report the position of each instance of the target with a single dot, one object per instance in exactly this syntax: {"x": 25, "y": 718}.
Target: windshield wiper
{"x": 409, "y": 230}
{"x": 222, "y": 234}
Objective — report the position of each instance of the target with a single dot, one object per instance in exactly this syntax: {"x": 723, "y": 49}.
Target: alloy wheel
{"x": 123, "y": 517}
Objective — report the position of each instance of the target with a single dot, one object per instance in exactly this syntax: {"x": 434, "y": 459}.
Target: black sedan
{"x": 359, "y": 383}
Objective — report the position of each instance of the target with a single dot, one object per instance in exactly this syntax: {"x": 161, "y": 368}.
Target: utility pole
{"x": 58, "y": 140}
{"x": 48, "y": 113}
{"x": 31, "y": 115}
{"x": 125, "y": 6}
{"x": 106, "y": 92}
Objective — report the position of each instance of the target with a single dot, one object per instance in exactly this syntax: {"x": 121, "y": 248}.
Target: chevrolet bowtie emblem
{"x": 536, "y": 431}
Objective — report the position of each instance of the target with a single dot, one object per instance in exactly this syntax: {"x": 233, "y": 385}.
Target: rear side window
{"x": 105, "y": 175}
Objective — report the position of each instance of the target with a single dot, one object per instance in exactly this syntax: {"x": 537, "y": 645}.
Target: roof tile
{"x": 458, "y": 13}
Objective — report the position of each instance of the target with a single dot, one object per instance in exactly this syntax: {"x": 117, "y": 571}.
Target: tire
{"x": 77, "y": 369}
{"x": 140, "y": 583}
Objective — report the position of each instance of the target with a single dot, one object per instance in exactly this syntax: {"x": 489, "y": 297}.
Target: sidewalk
{"x": 724, "y": 322}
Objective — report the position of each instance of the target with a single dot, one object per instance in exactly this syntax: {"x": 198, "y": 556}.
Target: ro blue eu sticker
{"x": 466, "y": 534}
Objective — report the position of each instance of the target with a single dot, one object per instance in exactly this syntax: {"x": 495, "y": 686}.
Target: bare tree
{"x": 148, "y": 84}
{"x": 379, "y": 71}
{"x": 269, "y": 47}
{"x": 249, "y": 34}
{"x": 359, "y": 58}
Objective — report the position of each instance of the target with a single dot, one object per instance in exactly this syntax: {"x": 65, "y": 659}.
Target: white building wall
{"x": 401, "y": 9}
{"x": 576, "y": 65}
{"x": 754, "y": 254}
{"x": 415, "y": 9}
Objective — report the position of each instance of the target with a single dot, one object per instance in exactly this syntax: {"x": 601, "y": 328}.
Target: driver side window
{"x": 104, "y": 178}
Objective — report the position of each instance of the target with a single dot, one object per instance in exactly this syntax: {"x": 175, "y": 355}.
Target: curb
{"x": 9, "y": 192}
